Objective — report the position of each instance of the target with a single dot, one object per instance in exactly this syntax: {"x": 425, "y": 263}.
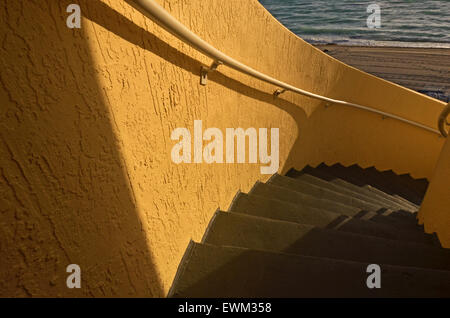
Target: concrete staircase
{"x": 313, "y": 233}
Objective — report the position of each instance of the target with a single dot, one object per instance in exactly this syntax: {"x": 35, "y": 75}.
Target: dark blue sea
{"x": 402, "y": 23}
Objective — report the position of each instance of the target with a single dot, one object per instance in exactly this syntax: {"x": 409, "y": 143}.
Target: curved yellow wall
{"x": 435, "y": 210}
{"x": 85, "y": 123}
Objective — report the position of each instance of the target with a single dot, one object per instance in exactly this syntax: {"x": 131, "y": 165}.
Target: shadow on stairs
{"x": 313, "y": 233}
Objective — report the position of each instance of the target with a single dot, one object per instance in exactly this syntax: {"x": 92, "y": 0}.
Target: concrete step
{"x": 403, "y": 199}
{"x": 301, "y": 199}
{"x": 355, "y": 191}
{"x": 377, "y": 193}
{"x": 363, "y": 177}
{"x": 218, "y": 271}
{"x": 371, "y": 176}
{"x": 323, "y": 192}
{"x": 233, "y": 229}
{"x": 338, "y": 172}
{"x": 279, "y": 210}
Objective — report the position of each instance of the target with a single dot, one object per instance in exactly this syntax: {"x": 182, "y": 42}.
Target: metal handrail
{"x": 442, "y": 120}
{"x": 155, "y": 12}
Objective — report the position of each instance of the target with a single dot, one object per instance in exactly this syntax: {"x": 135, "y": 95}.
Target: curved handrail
{"x": 155, "y": 12}
{"x": 442, "y": 120}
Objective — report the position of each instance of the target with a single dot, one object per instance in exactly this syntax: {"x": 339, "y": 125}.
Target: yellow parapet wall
{"x": 435, "y": 210}
{"x": 85, "y": 123}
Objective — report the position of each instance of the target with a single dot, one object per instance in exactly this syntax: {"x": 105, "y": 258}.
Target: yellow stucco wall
{"x": 435, "y": 210}
{"x": 85, "y": 123}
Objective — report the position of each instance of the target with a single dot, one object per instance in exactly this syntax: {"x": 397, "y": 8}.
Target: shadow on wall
{"x": 328, "y": 135}
{"x": 129, "y": 31}
{"x": 323, "y": 134}
{"x": 64, "y": 191}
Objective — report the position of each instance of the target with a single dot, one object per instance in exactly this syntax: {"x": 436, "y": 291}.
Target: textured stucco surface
{"x": 85, "y": 123}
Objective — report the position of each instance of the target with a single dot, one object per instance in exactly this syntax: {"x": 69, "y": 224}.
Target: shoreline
{"x": 387, "y": 47}
{"x": 426, "y": 70}
{"x": 386, "y": 44}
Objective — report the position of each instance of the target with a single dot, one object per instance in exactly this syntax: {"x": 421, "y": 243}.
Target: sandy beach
{"x": 423, "y": 69}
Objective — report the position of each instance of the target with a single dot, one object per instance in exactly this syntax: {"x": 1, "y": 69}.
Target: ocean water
{"x": 405, "y": 23}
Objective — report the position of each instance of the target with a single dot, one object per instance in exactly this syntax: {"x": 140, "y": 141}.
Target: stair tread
{"x": 359, "y": 192}
{"x": 324, "y": 172}
{"x": 218, "y": 271}
{"x": 275, "y": 209}
{"x": 301, "y": 199}
{"x": 305, "y": 200}
{"x": 372, "y": 177}
{"x": 319, "y": 191}
{"x": 235, "y": 229}
{"x": 312, "y": 233}
{"x": 283, "y": 211}
{"x": 356, "y": 177}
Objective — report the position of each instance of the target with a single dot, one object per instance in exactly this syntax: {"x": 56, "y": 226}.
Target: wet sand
{"x": 422, "y": 69}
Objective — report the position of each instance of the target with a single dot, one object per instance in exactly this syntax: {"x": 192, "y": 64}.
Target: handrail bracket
{"x": 278, "y": 92}
{"x": 205, "y": 70}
